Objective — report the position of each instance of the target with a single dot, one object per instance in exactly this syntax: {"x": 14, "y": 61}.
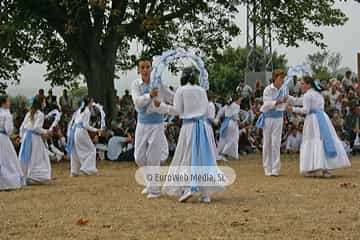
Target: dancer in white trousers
{"x": 271, "y": 121}
{"x": 321, "y": 148}
{"x": 151, "y": 146}
{"x": 81, "y": 149}
{"x": 11, "y": 176}
{"x": 33, "y": 155}
{"x": 228, "y": 146}
{"x": 196, "y": 151}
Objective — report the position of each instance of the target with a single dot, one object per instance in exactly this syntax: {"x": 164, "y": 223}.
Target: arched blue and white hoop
{"x": 296, "y": 70}
{"x": 160, "y": 63}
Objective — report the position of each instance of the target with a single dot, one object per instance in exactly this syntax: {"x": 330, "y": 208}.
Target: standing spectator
{"x": 41, "y": 92}
{"x": 66, "y": 103}
{"x": 352, "y": 124}
{"x": 51, "y": 102}
{"x": 259, "y": 89}
{"x": 347, "y": 82}
{"x": 245, "y": 92}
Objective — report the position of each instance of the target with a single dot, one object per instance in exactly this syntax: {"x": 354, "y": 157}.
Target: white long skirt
{"x": 181, "y": 163}
{"x": 312, "y": 153}
{"x": 83, "y": 154}
{"x": 38, "y": 168}
{"x": 229, "y": 145}
{"x": 10, "y": 169}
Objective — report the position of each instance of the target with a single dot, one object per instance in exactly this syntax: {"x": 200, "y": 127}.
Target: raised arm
{"x": 140, "y": 100}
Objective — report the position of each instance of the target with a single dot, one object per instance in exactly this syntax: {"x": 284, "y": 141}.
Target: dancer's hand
{"x": 289, "y": 108}
{"x": 157, "y": 103}
{"x": 154, "y": 93}
{"x": 281, "y": 100}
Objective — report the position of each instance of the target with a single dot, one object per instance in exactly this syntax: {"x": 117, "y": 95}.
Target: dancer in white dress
{"x": 80, "y": 147}
{"x": 151, "y": 146}
{"x": 321, "y": 148}
{"x": 271, "y": 121}
{"x": 10, "y": 170}
{"x": 196, "y": 150}
{"x": 34, "y": 159}
{"x": 228, "y": 146}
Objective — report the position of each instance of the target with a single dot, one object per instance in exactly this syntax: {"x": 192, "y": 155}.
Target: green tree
{"x": 92, "y": 37}
{"x": 229, "y": 68}
{"x": 324, "y": 64}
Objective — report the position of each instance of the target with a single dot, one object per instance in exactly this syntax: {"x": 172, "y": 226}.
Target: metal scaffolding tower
{"x": 259, "y": 42}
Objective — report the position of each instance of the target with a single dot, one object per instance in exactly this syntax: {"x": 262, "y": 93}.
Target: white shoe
{"x": 205, "y": 199}
{"x": 274, "y": 175}
{"x": 144, "y": 191}
{"x": 74, "y": 175}
{"x": 153, "y": 195}
{"x": 186, "y": 196}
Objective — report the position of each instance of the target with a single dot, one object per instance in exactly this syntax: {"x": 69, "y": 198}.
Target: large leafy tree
{"x": 92, "y": 38}
{"x": 324, "y": 64}
{"x": 229, "y": 68}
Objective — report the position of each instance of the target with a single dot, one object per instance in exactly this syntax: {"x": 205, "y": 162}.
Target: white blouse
{"x": 6, "y": 121}
{"x": 35, "y": 124}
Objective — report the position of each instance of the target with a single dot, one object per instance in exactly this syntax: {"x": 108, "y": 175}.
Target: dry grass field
{"x": 254, "y": 207}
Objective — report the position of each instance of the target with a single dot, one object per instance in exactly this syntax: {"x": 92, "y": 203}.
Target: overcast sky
{"x": 344, "y": 39}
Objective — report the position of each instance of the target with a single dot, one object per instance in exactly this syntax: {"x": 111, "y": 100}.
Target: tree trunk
{"x": 100, "y": 83}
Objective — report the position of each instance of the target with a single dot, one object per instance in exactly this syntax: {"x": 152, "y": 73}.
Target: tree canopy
{"x": 92, "y": 38}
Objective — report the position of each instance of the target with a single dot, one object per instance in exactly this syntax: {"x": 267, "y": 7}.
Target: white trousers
{"x": 271, "y": 145}
{"x": 151, "y": 147}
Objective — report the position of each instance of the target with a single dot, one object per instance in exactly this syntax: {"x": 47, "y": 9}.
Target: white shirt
{"x": 191, "y": 101}
{"x": 35, "y": 124}
{"x": 6, "y": 121}
{"x": 84, "y": 118}
{"x": 141, "y": 99}
{"x": 270, "y": 93}
{"x": 311, "y": 100}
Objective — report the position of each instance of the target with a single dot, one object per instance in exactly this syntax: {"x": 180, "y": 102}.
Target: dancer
{"x": 10, "y": 170}
{"x": 228, "y": 146}
{"x": 34, "y": 158}
{"x": 271, "y": 120}
{"x": 151, "y": 146}
{"x": 321, "y": 148}
{"x": 81, "y": 149}
{"x": 195, "y": 154}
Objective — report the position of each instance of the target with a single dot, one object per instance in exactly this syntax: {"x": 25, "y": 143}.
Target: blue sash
{"x": 151, "y": 118}
{"x": 71, "y": 140}
{"x": 201, "y": 157}
{"x": 260, "y": 123}
{"x": 2, "y": 131}
{"x": 326, "y": 137}
{"x": 225, "y": 125}
{"x": 26, "y": 145}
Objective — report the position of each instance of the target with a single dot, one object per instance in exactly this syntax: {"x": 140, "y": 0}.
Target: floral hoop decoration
{"x": 293, "y": 71}
{"x": 160, "y": 63}
{"x": 102, "y": 115}
{"x": 57, "y": 118}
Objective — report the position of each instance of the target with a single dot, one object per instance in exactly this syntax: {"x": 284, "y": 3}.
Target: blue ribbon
{"x": 26, "y": 145}
{"x": 200, "y": 153}
{"x": 225, "y": 125}
{"x": 326, "y": 137}
{"x": 148, "y": 118}
{"x": 260, "y": 123}
{"x": 2, "y": 131}
{"x": 71, "y": 139}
